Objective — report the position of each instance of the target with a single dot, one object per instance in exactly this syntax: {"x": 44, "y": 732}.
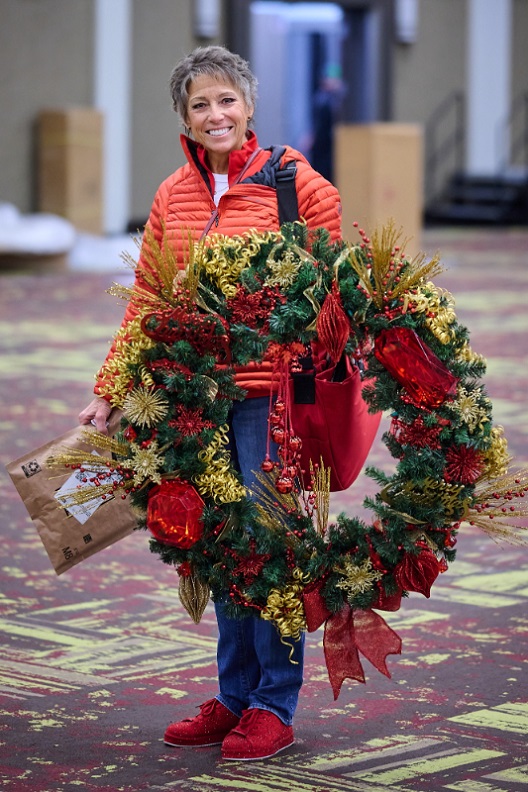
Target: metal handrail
{"x": 518, "y": 145}
{"x": 451, "y": 110}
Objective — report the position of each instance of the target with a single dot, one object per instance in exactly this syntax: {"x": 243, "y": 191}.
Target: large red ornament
{"x": 174, "y": 513}
{"x": 417, "y": 572}
{"x": 414, "y": 365}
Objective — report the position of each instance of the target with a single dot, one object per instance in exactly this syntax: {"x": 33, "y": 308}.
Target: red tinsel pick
{"x": 414, "y": 365}
{"x": 252, "y": 308}
{"x": 206, "y": 333}
{"x": 332, "y": 325}
{"x": 416, "y": 434}
{"x": 174, "y": 513}
{"x": 463, "y": 464}
{"x": 417, "y": 572}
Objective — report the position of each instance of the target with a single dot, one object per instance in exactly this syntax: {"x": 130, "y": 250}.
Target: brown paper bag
{"x": 69, "y": 536}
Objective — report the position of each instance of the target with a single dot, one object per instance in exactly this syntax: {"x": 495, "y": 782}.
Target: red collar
{"x": 197, "y": 156}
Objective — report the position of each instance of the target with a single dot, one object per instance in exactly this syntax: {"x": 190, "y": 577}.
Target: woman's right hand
{"x": 97, "y": 413}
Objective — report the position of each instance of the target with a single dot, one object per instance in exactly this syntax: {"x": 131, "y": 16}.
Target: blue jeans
{"x": 254, "y": 667}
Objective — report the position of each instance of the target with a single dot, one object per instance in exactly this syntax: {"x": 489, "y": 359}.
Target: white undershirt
{"x": 221, "y": 186}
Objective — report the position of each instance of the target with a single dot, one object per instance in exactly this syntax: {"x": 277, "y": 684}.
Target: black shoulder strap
{"x": 287, "y": 193}
{"x": 282, "y": 180}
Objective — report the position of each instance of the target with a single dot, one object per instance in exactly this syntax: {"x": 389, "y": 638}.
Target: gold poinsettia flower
{"x": 146, "y": 463}
{"x": 358, "y": 578}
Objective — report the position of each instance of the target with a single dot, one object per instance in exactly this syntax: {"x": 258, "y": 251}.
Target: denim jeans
{"x": 254, "y": 667}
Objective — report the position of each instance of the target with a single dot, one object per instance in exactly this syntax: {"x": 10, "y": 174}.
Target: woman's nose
{"x": 215, "y": 111}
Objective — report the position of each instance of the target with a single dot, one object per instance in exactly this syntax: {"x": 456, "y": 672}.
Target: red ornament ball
{"x": 278, "y": 434}
{"x": 295, "y": 443}
{"x": 284, "y": 485}
{"x": 174, "y": 513}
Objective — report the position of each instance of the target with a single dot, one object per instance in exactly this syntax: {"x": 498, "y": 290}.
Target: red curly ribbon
{"x": 350, "y": 632}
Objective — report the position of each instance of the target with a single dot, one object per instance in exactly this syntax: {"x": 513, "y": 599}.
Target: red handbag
{"x": 331, "y": 417}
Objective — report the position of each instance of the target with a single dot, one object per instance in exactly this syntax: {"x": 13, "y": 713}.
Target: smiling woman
{"x": 227, "y": 186}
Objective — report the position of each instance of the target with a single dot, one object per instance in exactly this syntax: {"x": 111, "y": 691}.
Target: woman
{"x": 227, "y": 186}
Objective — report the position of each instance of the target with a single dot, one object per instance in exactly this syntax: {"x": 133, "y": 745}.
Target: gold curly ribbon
{"x": 218, "y": 482}
{"x": 496, "y": 457}
{"x": 466, "y": 355}
{"x": 223, "y": 258}
{"x": 130, "y": 345}
{"x": 285, "y": 608}
{"x": 439, "y": 305}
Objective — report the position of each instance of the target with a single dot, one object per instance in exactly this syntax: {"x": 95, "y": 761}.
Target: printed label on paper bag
{"x": 81, "y": 511}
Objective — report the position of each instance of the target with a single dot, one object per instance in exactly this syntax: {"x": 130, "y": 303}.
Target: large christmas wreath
{"x": 269, "y": 297}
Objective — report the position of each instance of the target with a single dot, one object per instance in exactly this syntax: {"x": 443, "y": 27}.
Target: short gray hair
{"x": 217, "y": 62}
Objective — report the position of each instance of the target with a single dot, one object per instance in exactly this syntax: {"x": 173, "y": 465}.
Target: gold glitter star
{"x": 146, "y": 463}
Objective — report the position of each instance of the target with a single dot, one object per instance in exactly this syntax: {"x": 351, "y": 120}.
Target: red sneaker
{"x": 259, "y": 735}
{"x": 209, "y": 727}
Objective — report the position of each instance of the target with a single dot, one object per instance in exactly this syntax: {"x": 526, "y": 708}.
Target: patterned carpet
{"x": 96, "y": 662}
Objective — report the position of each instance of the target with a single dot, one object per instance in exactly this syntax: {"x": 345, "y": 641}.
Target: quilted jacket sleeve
{"x": 319, "y": 201}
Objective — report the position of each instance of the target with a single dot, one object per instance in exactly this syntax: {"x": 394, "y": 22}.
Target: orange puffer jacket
{"x": 184, "y": 203}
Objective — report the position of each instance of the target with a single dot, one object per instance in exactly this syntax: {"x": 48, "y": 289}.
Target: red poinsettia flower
{"x": 417, "y": 572}
{"x": 184, "y": 569}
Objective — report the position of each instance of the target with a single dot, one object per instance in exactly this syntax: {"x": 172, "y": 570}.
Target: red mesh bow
{"x": 350, "y": 632}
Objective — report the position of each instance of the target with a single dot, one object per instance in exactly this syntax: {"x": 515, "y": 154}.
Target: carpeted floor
{"x": 96, "y": 662}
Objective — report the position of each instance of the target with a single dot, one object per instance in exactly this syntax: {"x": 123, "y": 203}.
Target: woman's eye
{"x": 228, "y": 100}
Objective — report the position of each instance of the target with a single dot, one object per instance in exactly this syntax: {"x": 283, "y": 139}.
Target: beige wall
{"x": 162, "y": 34}
{"x": 45, "y": 61}
{"x": 429, "y": 70}
{"x": 520, "y": 48}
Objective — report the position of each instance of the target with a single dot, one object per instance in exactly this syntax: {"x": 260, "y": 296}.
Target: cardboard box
{"x": 379, "y": 174}
{"x": 33, "y": 262}
{"x": 70, "y": 166}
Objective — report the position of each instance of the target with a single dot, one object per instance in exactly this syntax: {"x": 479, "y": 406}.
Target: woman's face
{"x": 217, "y": 116}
